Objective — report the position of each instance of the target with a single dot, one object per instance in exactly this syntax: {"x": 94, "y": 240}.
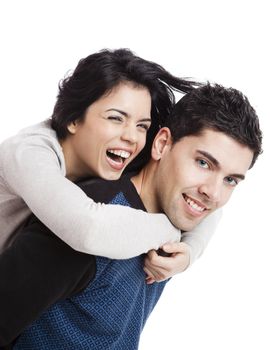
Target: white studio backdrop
{"x": 222, "y": 301}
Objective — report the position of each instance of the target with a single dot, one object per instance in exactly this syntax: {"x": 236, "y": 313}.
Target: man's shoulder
{"x": 99, "y": 189}
{"x": 104, "y": 191}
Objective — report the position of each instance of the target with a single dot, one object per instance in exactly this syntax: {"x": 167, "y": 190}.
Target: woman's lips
{"x": 117, "y": 158}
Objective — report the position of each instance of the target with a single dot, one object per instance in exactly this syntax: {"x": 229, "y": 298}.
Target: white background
{"x": 222, "y": 302}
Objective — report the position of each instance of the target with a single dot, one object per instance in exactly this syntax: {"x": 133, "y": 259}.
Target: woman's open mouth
{"x": 117, "y": 158}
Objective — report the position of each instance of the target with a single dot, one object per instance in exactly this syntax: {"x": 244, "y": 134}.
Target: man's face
{"x": 197, "y": 175}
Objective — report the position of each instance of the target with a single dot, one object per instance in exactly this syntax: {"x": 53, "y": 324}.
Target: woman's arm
{"x": 182, "y": 254}
{"x": 32, "y": 170}
{"x": 36, "y": 271}
{"x": 200, "y": 236}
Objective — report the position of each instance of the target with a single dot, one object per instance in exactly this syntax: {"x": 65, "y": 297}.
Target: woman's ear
{"x": 72, "y": 127}
{"x": 162, "y": 141}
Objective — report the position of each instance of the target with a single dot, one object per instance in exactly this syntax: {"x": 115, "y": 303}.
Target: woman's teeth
{"x": 120, "y": 153}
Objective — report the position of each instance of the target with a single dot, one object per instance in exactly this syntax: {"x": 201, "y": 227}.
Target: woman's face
{"x": 111, "y": 135}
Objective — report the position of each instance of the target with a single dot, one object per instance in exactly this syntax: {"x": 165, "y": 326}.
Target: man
{"x": 198, "y": 158}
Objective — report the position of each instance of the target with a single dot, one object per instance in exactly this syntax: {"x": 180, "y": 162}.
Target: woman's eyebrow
{"x": 125, "y": 114}
{"x": 119, "y": 111}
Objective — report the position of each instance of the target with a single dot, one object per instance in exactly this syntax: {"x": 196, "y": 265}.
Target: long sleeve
{"x": 33, "y": 171}
{"x": 198, "y": 238}
{"x": 35, "y": 272}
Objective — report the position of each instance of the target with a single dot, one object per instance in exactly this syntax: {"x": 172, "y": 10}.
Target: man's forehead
{"x": 221, "y": 149}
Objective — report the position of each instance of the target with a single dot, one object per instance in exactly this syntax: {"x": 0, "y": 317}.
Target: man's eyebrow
{"x": 210, "y": 157}
{"x": 217, "y": 164}
{"x": 239, "y": 176}
{"x": 125, "y": 114}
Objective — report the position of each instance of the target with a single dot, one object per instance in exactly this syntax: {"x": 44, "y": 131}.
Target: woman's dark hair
{"x": 99, "y": 73}
{"x": 218, "y": 108}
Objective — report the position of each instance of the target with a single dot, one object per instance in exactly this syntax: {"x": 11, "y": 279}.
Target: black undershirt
{"x": 39, "y": 269}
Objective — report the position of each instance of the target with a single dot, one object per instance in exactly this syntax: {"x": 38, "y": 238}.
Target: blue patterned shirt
{"x": 111, "y": 311}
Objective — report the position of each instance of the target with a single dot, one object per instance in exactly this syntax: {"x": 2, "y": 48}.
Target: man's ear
{"x": 162, "y": 141}
{"x": 72, "y": 127}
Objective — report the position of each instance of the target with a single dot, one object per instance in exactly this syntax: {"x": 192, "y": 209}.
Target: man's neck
{"x": 145, "y": 187}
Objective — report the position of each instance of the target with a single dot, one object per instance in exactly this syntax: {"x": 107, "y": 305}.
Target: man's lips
{"x": 196, "y": 207}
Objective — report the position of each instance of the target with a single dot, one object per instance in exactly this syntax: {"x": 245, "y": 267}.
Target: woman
{"x": 99, "y": 125}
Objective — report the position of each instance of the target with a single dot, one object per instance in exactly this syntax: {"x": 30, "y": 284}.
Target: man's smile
{"x": 196, "y": 206}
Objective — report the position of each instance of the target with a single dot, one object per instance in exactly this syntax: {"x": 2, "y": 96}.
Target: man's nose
{"x": 211, "y": 189}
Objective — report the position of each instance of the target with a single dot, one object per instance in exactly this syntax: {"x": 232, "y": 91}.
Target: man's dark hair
{"x": 218, "y": 108}
{"x": 99, "y": 73}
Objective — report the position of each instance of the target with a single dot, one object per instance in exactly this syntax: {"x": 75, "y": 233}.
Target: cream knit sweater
{"x": 32, "y": 179}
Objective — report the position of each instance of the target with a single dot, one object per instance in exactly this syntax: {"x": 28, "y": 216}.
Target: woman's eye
{"x": 231, "y": 181}
{"x": 203, "y": 164}
{"x": 115, "y": 117}
{"x": 144, "y": 126}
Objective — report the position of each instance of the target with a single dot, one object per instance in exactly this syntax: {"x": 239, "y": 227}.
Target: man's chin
{"x": 190, "y": 225}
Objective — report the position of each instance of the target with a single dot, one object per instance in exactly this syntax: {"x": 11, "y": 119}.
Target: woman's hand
{"x": 159, "y": 268}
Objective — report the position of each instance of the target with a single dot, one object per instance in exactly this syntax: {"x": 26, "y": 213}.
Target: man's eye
{"x": 231, "y": 181}
{"x": 203, "y": 164}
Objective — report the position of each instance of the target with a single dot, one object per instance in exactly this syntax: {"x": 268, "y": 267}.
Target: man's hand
{"x": 159, "y": 268}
